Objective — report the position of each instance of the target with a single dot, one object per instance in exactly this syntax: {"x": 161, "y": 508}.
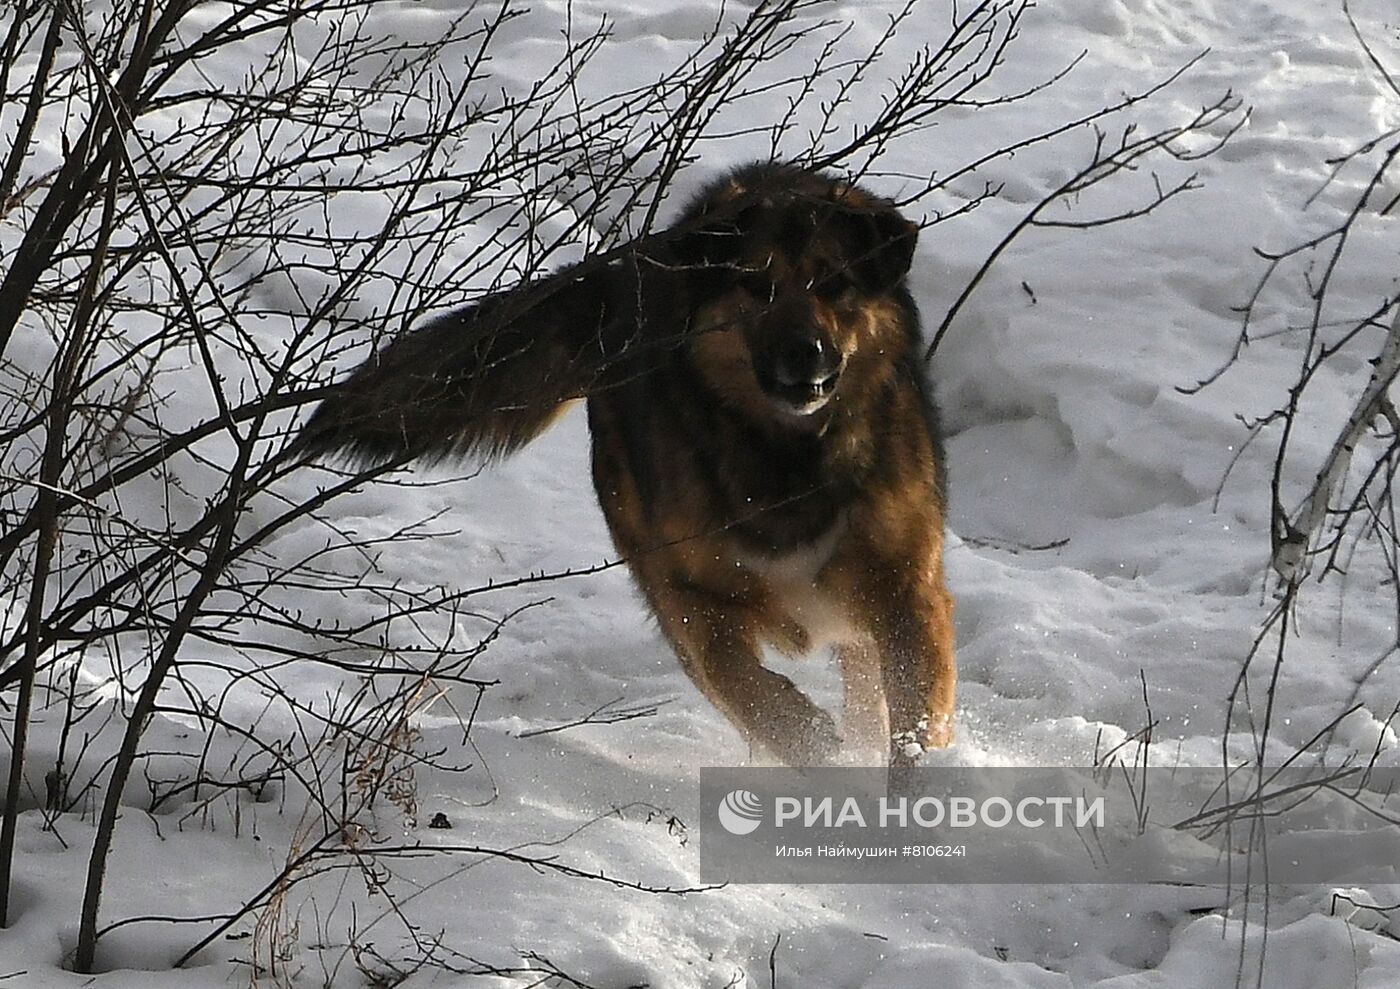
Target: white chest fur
{"x": 794, "y": 580}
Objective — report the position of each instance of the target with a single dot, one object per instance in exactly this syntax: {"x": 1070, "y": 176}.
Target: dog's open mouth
{"x": 803, "y": 397}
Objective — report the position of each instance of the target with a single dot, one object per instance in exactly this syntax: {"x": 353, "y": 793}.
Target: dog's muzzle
{"x": 805, "y": 374}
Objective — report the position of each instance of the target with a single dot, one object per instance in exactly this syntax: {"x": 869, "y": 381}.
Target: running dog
{"x": 765, "y": 448}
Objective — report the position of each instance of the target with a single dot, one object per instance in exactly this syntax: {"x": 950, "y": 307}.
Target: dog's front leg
{"x": 913, "y": 630}
{"x": 719, "y": 650}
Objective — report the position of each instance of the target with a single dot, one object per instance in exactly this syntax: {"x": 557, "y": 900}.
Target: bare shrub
{"x": 190, "y": 252}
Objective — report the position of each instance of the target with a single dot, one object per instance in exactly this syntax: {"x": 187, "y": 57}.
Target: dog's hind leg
{"x": 865, "y": 717}
{"x": 718, "y": 647}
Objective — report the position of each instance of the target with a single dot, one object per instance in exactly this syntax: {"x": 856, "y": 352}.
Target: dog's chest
{"x": 793, "y": 584}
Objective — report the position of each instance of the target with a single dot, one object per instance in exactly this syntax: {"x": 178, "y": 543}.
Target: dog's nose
{"x": 808, "y": 361}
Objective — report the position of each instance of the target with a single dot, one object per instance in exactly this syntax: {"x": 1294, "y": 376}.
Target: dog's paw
{"x": 938, "y": 731}
{"x": 933, "y": 731}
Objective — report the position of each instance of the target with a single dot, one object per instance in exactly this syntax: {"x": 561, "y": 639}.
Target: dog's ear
{"x": 879, "y": 246}
{"x": 714, "y": 240}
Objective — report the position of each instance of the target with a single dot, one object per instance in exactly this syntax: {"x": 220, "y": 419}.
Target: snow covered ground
{"x": 1066, "y": 430}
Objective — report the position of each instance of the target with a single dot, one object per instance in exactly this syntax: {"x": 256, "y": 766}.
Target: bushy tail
{"x": 484, "y": 380}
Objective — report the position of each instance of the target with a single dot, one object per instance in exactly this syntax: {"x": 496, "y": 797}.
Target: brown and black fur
{"x": 765, "y": 449}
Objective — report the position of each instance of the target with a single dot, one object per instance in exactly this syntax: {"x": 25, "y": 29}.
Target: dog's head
{"x": 797, "y": 286}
